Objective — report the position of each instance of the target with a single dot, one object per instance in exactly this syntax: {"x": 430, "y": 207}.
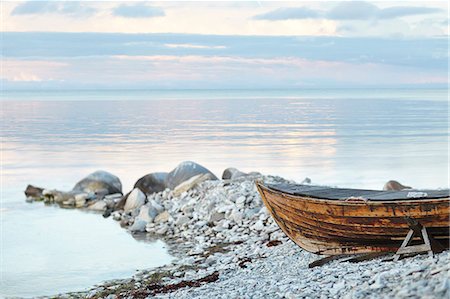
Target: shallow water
{"x": 347, "y": 138}
{"x": 47, "y": 250}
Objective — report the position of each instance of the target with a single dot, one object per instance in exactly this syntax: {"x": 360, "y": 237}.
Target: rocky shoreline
{"x": 226, "y": 245}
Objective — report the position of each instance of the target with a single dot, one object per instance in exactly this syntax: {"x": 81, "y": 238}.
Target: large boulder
{"x": 99, "y": 182}
{"x": 184, "y": 171}
{"x": 152, "y": 183}
{"x": 233, "y": 174}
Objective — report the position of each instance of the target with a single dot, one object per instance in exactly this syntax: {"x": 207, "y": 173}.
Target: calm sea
{"x": 349, "y": 138}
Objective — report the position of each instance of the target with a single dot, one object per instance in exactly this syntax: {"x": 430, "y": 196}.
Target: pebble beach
{"x": 226, "y": 245}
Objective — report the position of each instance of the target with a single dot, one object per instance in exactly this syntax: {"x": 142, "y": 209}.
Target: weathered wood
{"x": 368, "y": 257}
{"x": 335, "y": 227}
{"x": 428, "y": 239}
{"x": 326, "y": 260}
{"x": 429, "y": 244}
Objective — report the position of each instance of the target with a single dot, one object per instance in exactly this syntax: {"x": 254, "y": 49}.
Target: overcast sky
{"x": 254, "y": 44}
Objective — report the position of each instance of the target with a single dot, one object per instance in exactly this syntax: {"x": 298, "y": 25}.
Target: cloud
{"x": 403, "y": 11}
{"x": 353, "y": 10}
{"x": 46, "y": 7}
{"x": 349, "y": 10}
{"x": 413, "y": 52}
{"x": 289, "y": 13}
{"x": 138, "y": 11}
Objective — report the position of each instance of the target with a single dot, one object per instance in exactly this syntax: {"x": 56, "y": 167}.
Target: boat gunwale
{"x": 339, "y": 202}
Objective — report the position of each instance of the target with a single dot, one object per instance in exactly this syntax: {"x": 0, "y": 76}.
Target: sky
{"x": 223, "y": 45}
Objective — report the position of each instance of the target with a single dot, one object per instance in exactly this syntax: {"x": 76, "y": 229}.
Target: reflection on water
{"x": 349, "y": 141}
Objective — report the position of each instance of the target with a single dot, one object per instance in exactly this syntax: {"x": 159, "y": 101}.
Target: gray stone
{"x": 114, "y": 197}
{"x": 98, "y": 206}
{"x": 215, "y": 217}
{"x": 237, "y": 216}
{"x": 152, "y": 183}
{"x": 162, "y": 230}
{"x": 233, "y": 174}
{"x": 138, "y": 225}
{"x": 185, "y": 171}
{"x": 156, "y": 205}
{"x": 147, "y": 213}
{"x": 162, "y": 217}
{"x": 240, "y": 201}
{"x": 182, "y": 220}
{"x": 99, "y": 182}
{"x": 135, "y": 200}
{"x": 55, "y": 196}
{"x": 33, "y": 192}
{"x": 116, "y": 215}
{"x": 80, "y": 200}
{"x": 258, "y": 226}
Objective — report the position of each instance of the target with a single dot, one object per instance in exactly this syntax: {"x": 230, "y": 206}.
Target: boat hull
{"x": 332, "y": 227}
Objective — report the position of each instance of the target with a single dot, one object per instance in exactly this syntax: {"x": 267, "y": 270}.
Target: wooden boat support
{"x": 334, "y": 221}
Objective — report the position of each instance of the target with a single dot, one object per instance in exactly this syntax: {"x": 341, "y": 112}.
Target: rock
{"x": 98, "y": 206}
{"x": 162, "y": 217}
{"x": 200, "y": 224}
{"x": 99, "y": 182}
{"x": 114, "y": 197}
{"x": 258, "y": 226}
{"x": 138, "y": 225}
{"x": 116, "y": 215}
{"x": 237, "y": 216}
{"x": 152, "y": 183}
{"x": 233, "y": 173}
{"x": 33, "y": 192}
{"x": 80, "y": 200}
{"x": 96, "y": 185}
{"x": 394, "y": 186}
{"x": 240, "y": 201}
{"x": 216, "y": 217}
{"x": 57, "y": 196}
{"x": 163, "y": 230}
{"x": 190, "y": 183}
{"x": 156, "y": 205}
{"x": 182, "y": 220}
{"x": 185, "y": 171}
{"x": 147, "y": 213}
{"x": 69, "y": 203}
{"x": 135, "y": 200}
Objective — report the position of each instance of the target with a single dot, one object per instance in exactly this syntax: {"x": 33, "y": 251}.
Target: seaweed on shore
{"x": 153, "y": 286}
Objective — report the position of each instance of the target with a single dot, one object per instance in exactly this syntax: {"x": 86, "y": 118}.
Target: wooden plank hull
{"x": 333, "y": 227}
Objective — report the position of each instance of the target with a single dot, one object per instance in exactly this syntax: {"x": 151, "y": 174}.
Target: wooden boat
{"x": 333, "y": 221}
